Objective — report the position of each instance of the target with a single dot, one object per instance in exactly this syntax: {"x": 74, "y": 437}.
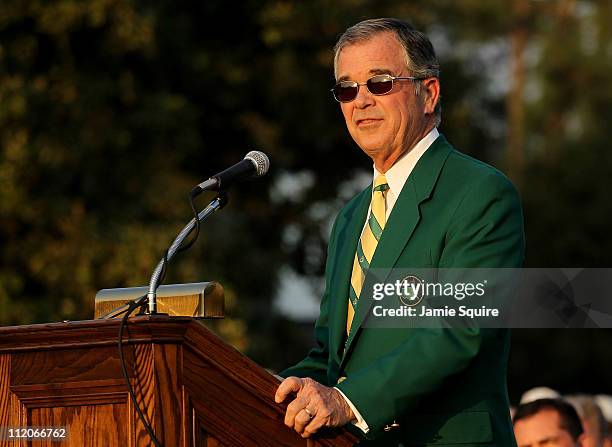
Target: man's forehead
{"x": 381, "y": 54}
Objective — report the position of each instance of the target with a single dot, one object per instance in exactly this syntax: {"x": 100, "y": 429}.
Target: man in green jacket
{"x": 429, "y": 206}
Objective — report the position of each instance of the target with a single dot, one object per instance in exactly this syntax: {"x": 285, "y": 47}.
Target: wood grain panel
{"x": 156, "y": 368}
{"x": 5, "y": 392}
{"x": 247, "y": 393}
{"x": 168, "y": 368}
{"x": 144, "y": 388}
{"x": 69, "y": 377}
{"x": 231, "y": 413}
{"x": 12, "y": 413}
{"x": 88, "y": 425}
{"x": 62, "y": 365}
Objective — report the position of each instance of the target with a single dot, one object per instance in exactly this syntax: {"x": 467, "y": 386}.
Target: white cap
{"x": 540, "y": 392}
{"x": 604, "y": 401}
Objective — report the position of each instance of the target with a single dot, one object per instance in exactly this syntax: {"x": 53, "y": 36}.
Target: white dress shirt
{"x": 396, "y": 178}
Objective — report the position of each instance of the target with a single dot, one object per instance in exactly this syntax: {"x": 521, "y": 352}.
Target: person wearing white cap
{"x": 593, "y": 421}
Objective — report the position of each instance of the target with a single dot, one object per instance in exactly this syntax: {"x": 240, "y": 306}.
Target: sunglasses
{"x": 346, "y": 91}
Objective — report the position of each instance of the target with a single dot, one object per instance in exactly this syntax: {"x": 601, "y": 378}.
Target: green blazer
{"x": 442, "y": 386}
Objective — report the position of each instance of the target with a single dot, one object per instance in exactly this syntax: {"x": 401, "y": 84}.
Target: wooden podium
{"x": 196, "y": 389}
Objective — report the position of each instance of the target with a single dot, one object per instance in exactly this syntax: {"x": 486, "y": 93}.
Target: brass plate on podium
{"x": 200, "y": 299}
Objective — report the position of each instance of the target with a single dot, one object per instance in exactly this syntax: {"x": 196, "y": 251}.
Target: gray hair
{"x": 421, "y": 58}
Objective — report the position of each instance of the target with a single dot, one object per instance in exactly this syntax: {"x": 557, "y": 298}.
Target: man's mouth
{"x": 367, "y": 121}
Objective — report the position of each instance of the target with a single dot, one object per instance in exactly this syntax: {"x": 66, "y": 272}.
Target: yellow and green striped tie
{"x": 367, "y": 244}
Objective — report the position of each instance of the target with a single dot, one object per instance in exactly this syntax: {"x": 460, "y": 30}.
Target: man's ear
{"x": 431, "y": 96}
{"x": 581, "y": 440}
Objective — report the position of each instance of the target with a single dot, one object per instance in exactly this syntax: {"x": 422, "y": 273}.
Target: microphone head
{"x": 260, "y": 160}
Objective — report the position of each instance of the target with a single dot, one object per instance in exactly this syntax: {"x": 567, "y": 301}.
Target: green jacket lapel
{"x": 402, "y": 222}
{"x": 346, "y": 245}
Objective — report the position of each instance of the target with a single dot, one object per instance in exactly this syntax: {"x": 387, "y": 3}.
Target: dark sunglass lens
{"x": 379, "y": 85}
{"x": 345, "y": 92}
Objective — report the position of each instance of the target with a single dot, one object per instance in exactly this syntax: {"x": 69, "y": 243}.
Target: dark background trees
{"x": 111, "y": 110}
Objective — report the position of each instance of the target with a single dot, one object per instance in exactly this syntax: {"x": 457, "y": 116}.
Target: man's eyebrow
{"x": 381, "y": 71}
{"x": 373, "y": 71}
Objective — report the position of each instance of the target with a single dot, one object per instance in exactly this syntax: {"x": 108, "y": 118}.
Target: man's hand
{"x": 315, "y": 406}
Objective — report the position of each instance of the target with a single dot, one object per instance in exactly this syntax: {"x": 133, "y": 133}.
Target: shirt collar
{"x": 401, "y": 169}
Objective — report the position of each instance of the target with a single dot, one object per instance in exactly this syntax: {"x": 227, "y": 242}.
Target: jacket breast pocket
{"x": 415, "y": 259}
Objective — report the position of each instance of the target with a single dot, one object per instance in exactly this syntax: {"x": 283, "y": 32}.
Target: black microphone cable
{"x": 139, "y": 303}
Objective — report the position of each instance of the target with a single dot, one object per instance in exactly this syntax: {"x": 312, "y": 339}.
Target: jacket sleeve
{"x": 486, "y": 230}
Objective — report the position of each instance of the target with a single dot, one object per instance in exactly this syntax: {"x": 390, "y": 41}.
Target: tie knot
{"x": 380, "y": 183}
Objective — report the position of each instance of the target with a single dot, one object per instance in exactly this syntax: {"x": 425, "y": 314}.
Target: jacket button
{"x": 390, "y": 427}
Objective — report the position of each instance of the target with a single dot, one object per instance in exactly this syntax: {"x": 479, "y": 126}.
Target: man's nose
{"x": 364, "y": 98}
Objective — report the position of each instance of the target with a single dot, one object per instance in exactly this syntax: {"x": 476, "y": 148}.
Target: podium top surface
{"x": 87, "y": 333}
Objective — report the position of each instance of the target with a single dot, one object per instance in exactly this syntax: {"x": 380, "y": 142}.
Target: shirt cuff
{"x": 361, "y": 423}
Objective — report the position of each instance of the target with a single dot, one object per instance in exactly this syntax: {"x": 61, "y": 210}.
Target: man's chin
{"x": 371, "y": 150}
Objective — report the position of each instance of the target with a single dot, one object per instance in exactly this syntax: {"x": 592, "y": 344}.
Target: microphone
{"x": 254, "y": 164}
